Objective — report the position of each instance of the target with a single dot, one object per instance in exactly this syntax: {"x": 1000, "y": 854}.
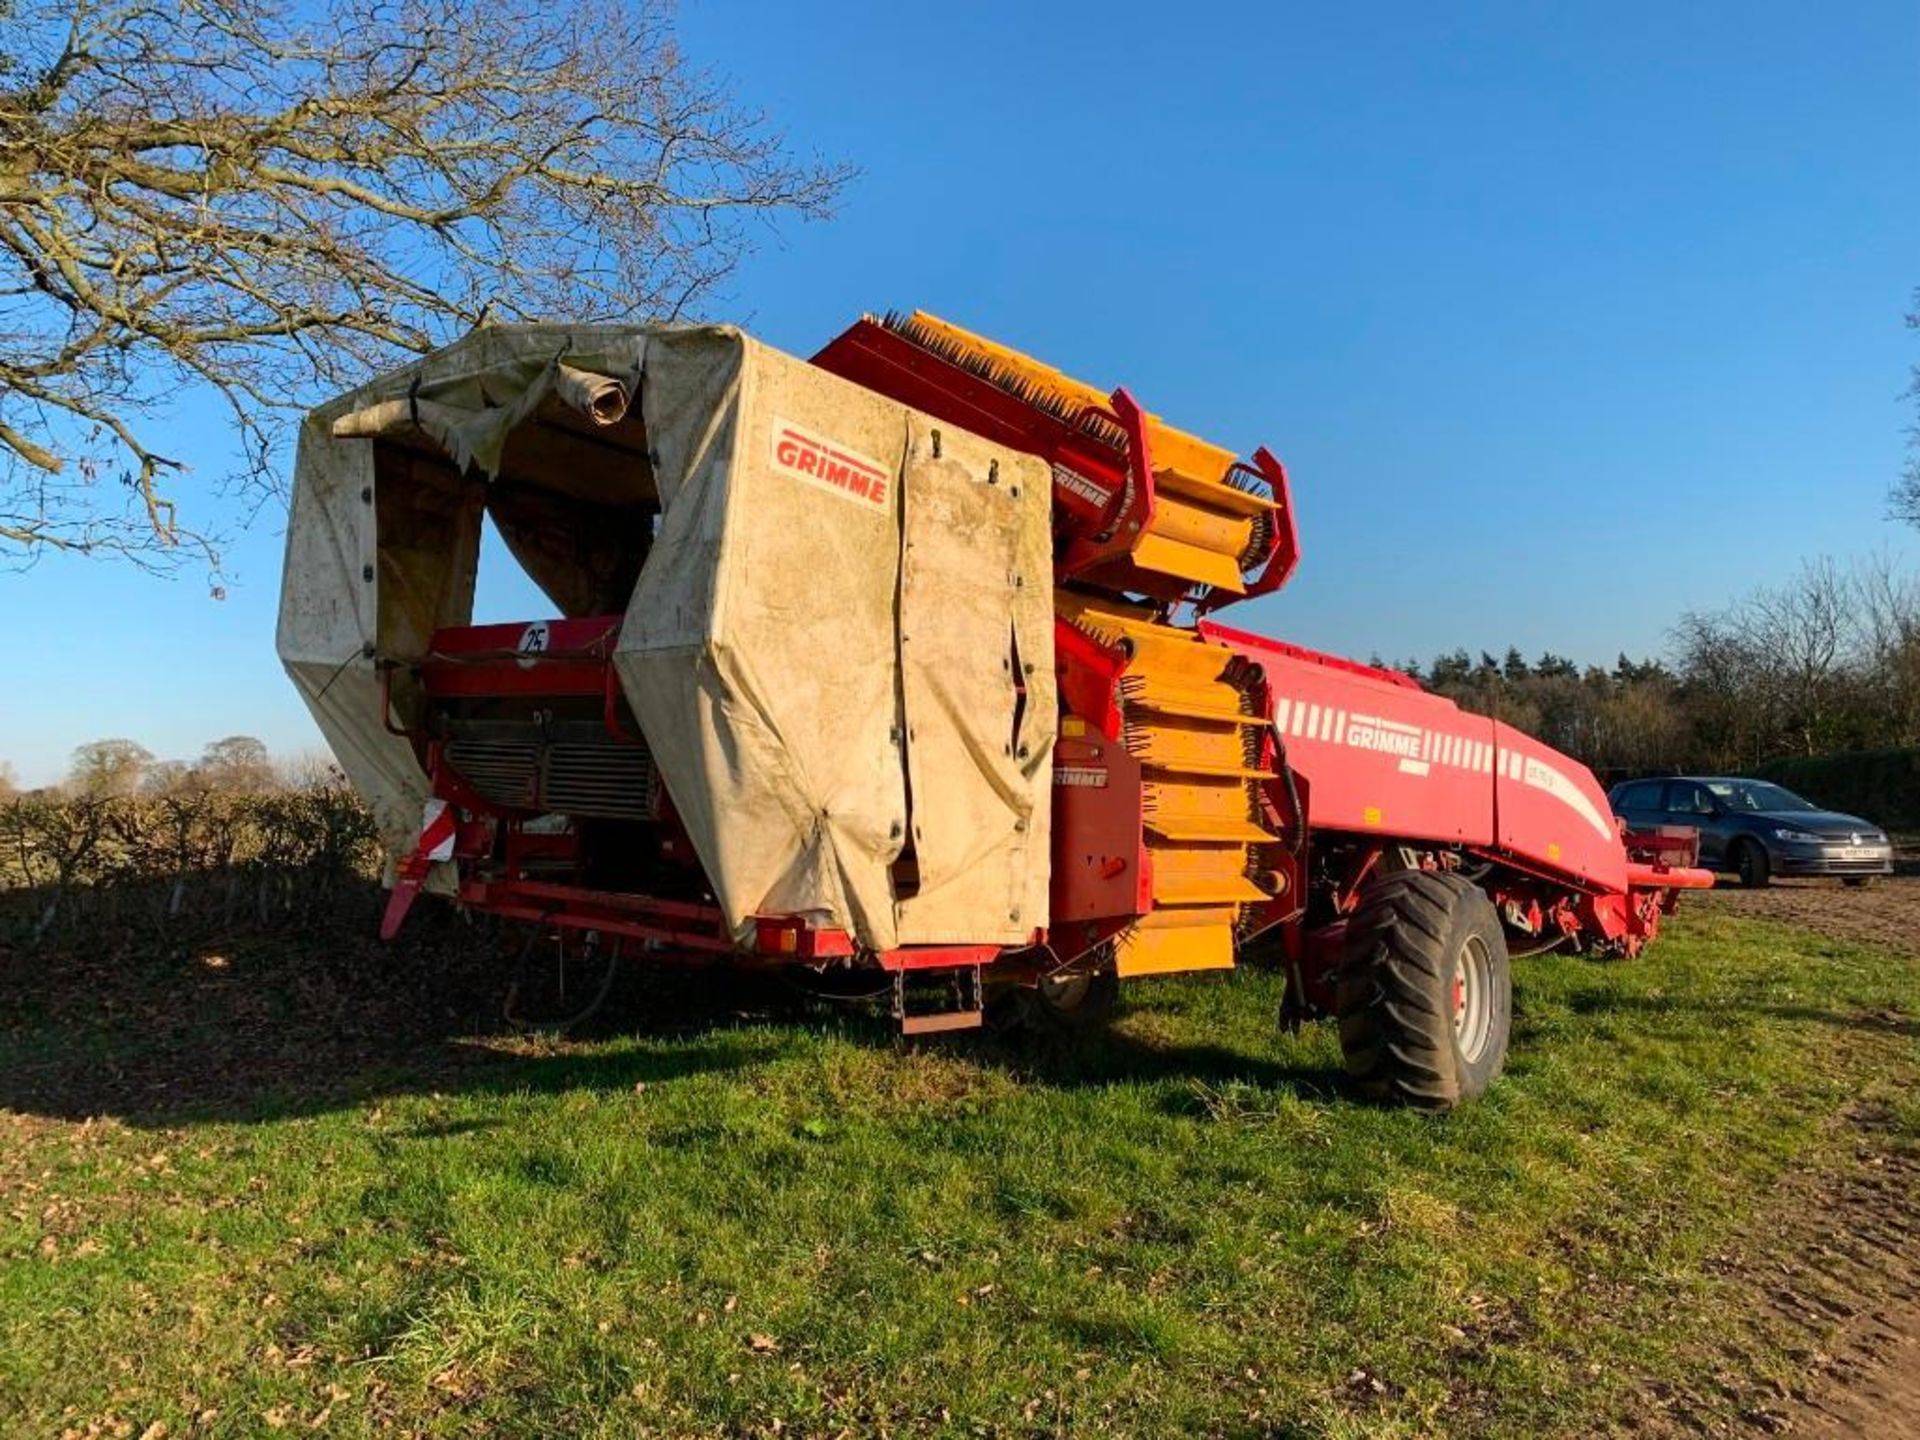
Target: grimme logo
{"x": 829, "y": 465}
{"x": 1389, "y": 737}
{"x": 1075, "y": 483}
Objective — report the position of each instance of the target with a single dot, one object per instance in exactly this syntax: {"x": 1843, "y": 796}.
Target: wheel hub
{"x": 1472, "y": 997}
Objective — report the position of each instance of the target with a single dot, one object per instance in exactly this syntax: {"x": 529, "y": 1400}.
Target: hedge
{"x": 1878, "y": 785}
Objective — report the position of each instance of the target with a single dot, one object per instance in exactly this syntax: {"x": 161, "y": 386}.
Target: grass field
{"x": 287, "y": 1219}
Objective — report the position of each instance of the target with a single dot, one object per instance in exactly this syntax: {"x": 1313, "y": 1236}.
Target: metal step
{"x": 933, "y": 1024}
{"x": 961, "y": 985}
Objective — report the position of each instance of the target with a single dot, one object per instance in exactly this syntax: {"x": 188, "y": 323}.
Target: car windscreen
{"x": 1755, "y": 795}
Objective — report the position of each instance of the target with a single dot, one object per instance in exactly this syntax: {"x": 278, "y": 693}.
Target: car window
{"x": 1756, "y": 796}
{"x": 1641, "y": 795}
{"x": 1687, "y": 798}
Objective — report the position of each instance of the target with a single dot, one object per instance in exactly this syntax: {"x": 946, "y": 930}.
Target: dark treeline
{"x": 1829, "y": 661}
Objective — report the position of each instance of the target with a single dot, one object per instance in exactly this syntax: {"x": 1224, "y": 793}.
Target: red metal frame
{"x": 1134, "y": 507}
{"x": 669, "y": 923}
{"x": 1276, "y": 567}
{"x": 478, "y": 661}
{"x": 1088, "y": 673}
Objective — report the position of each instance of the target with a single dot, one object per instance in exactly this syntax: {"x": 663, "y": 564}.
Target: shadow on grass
{"x": 1884, "y": 1022}
{"x": 160, "y": 1030}
{"x": 1114, "y": 1057}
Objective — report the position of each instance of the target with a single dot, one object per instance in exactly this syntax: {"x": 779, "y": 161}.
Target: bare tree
{"x": 264, "y": 199}
{"x": 108, "y": 767}
{"x": 1828, "y": 661}
{"x": 313, "y": 769}
{"x": 169, "y": 777}
{"x": 1888, "y": 604}
{"x": 237, "y": 763}
{"x": 1766, "y": 667}
{"x": 1906, "y": 490}
{"x": 1641, "y": 728}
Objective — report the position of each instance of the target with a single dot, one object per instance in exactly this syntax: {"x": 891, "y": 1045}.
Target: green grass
{"x": 761, "y": 1228}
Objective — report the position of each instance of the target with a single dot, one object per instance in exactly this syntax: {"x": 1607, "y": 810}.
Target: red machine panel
{"x": 1381, "y": 755}
{"x": 1099, "y": 855}
{"x": 541, "y": 657}
{"x": 1385, "y": 756}
{"x": 1553, "y": 813}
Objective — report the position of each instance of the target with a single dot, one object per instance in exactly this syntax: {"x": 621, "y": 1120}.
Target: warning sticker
{"x": 803, "y": 455}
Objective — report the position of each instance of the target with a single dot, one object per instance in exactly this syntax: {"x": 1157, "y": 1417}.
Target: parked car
{"x": 1757, "y": 829}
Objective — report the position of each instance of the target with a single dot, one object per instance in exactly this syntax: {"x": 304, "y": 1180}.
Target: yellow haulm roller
{"x": 1191, "y": 729}
{"x": 1206, "y": 528}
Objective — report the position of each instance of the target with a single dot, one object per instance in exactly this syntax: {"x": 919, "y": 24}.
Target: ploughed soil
{"x": 1842, "y": 1271}
{"x": 1886, "y": 912}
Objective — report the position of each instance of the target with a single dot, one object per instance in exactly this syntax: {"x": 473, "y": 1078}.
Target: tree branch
{"x": 263, "y": 201}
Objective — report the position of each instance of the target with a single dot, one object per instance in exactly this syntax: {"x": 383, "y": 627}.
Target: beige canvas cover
{"x": 837, "y": 635}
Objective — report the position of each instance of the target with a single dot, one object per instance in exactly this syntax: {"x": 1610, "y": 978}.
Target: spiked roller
{"x": 1145, "y": 508}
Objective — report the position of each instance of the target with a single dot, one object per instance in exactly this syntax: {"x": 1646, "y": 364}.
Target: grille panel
{"x": 505, "y": 771}
{"x": 568, "y": 768}
{"x": 607, "y": 779}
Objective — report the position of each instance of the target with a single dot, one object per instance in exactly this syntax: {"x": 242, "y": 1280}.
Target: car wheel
{"x": 1751, "y": 864}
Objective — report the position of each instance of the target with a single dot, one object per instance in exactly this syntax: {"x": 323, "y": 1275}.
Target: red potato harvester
{"x": 898, "y": 670}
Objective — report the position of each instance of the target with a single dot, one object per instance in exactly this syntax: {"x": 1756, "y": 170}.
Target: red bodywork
{"x": 1362, "y": 761}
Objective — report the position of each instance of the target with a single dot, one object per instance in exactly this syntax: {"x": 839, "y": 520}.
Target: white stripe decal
{"x": 1542, "y": 776}
{"x": 1340, "y": 728}
{"x": 1282, "y": 708}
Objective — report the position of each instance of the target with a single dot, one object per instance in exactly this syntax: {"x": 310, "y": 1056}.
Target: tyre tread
{"x": 1395, "y": 1031}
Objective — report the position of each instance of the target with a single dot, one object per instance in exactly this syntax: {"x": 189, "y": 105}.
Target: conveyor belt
{"x": 1193, "y": 731}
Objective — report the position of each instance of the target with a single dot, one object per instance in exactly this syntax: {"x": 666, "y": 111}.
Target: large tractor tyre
{"x": 1751, "y": 864}
{"x": 1425, "y": 993}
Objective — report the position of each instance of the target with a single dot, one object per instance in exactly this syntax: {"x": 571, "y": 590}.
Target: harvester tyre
{"x": 1072, "y": 1005}
{"x": 1425, "y": 992}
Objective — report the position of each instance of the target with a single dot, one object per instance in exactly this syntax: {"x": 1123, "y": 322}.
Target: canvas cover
{"x": 837, "y": 633}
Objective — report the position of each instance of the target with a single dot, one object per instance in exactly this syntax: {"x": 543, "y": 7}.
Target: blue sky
{"x": 1566, "y": 318}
